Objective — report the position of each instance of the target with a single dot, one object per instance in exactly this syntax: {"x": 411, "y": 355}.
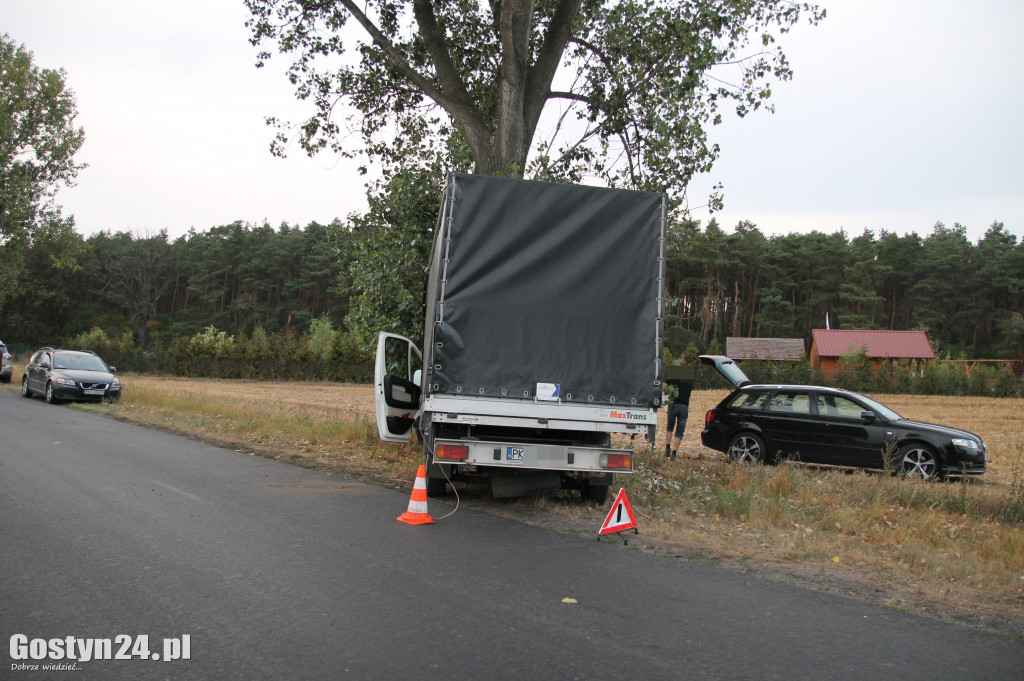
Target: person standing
{"x": 678, "y": 408}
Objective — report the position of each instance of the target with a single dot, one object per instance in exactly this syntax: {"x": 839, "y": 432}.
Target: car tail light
{"x": 452, "y": 452}
{"x": 617, "y": 461}
{"x": 710, "y": 416}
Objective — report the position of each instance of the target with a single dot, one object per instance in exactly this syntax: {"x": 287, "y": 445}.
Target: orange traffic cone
{"x": 417, "y": 513}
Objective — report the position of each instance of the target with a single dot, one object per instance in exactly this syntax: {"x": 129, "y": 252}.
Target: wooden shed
{"x": 778, "y": 349}
{"x": 882, "y": 347}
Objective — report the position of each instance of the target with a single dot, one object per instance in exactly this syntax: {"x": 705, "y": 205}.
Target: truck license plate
{"x": 514, "y": 454}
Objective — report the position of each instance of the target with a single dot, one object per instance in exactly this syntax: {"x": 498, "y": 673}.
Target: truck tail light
{"x": 617, "y": 461}
{"x": 452, "y": 452}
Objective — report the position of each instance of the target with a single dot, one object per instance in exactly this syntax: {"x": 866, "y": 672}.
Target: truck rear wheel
{"x": 591, "y": 491}
{"x": 436, "y": 487}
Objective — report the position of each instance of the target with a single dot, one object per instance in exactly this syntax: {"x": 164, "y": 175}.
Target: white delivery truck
{"x": 542, "y": 337}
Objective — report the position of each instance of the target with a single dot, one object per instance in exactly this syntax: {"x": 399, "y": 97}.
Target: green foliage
{"x": 1007, "y": 384}
{"x": 117, "y": 351}
{"x": 212, "y": 343}
{"x": 133, "y": 273}
{"x": 391, "y": 249}
{"x": 691, "y": 356}
{"x": 96, "y": 340}
{"x": 38, "y": 142}
{"x": 39, "y": 281}
{"x": 941, "y": 378}
{"x": 977, "y": 382}
{"x": 259, "y": 346}
{"x": 321, "y": 338}
{"x": 855, "y": 369}
{"x": 678, "y": 338}
{"x": 351, "y": 363}
{"x": 936, "y": 378}
{"x": 321, "y": 354}
{"x": 771, "y": 371}
{"x": 638, "y": 79}
{"x": 969, "y": 298}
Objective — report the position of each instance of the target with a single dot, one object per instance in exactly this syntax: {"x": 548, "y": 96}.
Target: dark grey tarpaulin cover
{"x": 549, "y": 284}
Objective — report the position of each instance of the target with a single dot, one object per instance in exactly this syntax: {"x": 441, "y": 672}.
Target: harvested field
{"x": 1000, "y": 422}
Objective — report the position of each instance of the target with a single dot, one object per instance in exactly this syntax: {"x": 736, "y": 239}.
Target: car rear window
{"x": 749, "y": 400}
{"x": 791, "y": 401}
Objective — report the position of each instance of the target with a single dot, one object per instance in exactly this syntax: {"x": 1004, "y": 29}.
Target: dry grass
{"x": 955, "y": 547}
{"x": 951, "y": 549}
{"x": 319, "y": 425}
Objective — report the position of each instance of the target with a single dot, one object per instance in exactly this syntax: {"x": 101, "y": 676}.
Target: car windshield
{"x": 887, "y": 413}
{"x": 63, "y": 360}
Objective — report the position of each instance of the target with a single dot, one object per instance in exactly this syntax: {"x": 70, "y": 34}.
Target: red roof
{"x": 879, "y": 344}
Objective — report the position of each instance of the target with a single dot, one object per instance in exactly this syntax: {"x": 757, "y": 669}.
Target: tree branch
{"x": 447, "y": 74}
{"x": 556, "y": 94}
{"x": 458, "y": 109}
{"x": 543, "y": 70}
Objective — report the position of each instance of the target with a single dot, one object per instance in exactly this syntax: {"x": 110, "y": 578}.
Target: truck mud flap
{"x": 525, "y": 484}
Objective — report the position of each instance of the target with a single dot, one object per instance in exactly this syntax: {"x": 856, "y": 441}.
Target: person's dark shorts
{"x": 677, "y": 414}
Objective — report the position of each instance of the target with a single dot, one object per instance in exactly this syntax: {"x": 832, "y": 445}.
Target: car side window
{"x": 791, "y": 401}
{"x": 836, "y": 405}
{"x": 750, "y": 400}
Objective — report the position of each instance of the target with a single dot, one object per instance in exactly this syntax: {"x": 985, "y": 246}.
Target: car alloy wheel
{"x": 746, "y": 448}
{"x": 918, "y": 461}
{"x": 25, "y": 392}
{"x": 50, "y": 399}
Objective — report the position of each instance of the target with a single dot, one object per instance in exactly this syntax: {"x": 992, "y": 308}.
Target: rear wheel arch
{"x": 747, "y": 446}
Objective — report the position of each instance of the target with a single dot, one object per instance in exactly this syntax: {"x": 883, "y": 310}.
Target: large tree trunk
{"x": 516, "y": 25}
{"x": 499, "y": 146}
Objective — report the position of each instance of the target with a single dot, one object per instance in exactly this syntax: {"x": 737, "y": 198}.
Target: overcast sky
{"x": 902, "y": 113}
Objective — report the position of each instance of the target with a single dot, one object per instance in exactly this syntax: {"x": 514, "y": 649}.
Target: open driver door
{"x": 396, "y": 375}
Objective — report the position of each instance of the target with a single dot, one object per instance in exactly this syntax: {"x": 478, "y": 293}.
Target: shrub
{"x": 978, "y": 381}
{"x": 350, "y": 362}
{"x": 212, "y": 343}
{"x": 1007, "y": 384}
{"x": 321, "y": 338}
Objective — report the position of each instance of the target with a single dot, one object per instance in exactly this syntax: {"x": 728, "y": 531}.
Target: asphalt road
{"x": 275, "y": 572}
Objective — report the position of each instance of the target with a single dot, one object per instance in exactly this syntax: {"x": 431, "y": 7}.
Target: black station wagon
{"x": 817, "y": 424}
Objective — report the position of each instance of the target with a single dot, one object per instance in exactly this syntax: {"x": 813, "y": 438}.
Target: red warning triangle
{"x": 621, "y": 517}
